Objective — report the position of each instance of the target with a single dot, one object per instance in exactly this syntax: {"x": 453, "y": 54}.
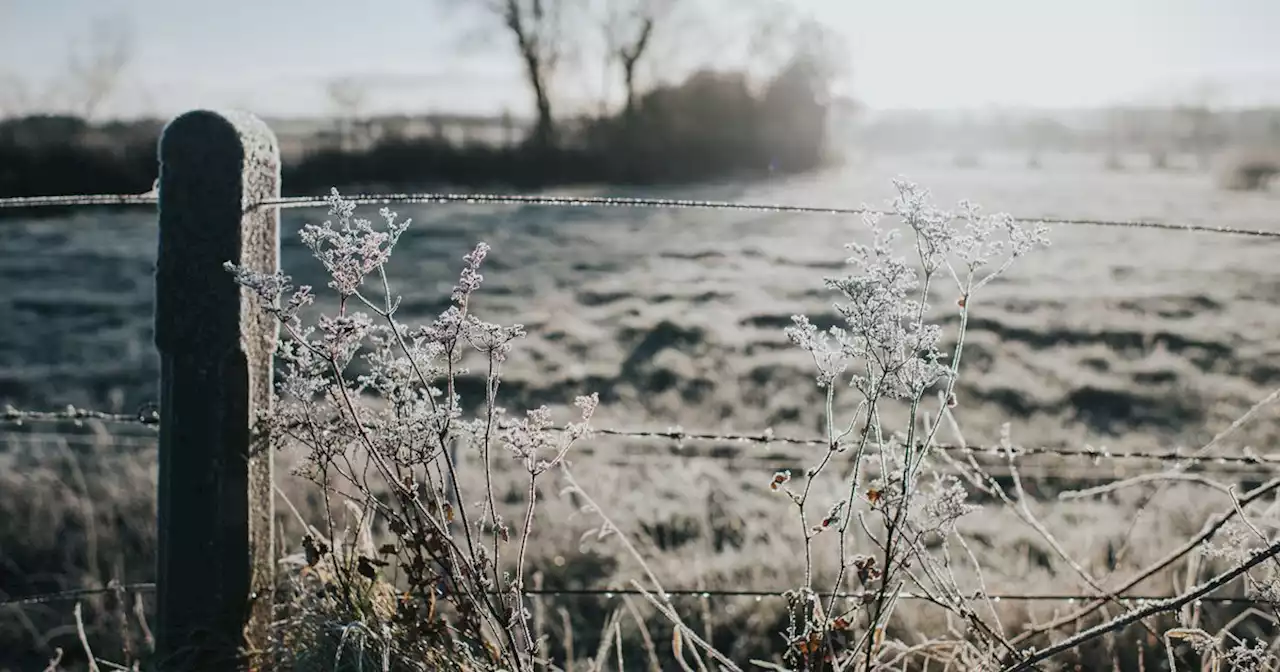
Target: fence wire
{"x": 291, "y": 202}
{"x": 144, "y": 416}
{"x": 150, "y": 417}
{"x": 22, "y": 202}
{"x": 78, "y": 593}
{"x": 1069, "y": 598}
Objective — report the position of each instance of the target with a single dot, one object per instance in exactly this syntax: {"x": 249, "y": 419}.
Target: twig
{"x": 1236, "y": 424}
{"x": 84, "y": 640}
{"x": 1209, "y": 530}
{"x": 1139, "y": 480}
{"x": 1150, "y": 610}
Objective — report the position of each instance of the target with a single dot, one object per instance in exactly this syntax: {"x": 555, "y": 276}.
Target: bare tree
{"x": 539, "y": 28}
{"x": 628, "y": 34}
{"x": 780, "y": 33}
{"x": 757, "y": 37}
{"x": 97, "y": 64}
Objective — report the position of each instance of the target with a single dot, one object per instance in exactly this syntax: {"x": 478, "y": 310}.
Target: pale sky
{"x": 273, "y": 56}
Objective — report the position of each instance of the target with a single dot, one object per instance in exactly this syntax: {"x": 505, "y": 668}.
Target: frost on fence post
{"x": 215, "y": 566}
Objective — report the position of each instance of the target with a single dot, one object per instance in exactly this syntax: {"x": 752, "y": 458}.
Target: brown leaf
{"x": 368, "y": 567}
{"x": 313, "y": 549}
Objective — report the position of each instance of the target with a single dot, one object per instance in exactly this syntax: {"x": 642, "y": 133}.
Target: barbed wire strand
{"x": 77, "y": 200}
{"x": 151, "y": 418}
{"x": 145, "y": 416}
{"x": 79, "y": 593}
{"x": 89, "y": 439}
{"x": 292, "y": 202}
{"x": 771, "y": 462}
{"x": 994, "y": 450}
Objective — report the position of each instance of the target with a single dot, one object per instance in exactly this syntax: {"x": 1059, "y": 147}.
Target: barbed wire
{"x": 149, "y": 416}
{"x": 1078, "y": 480}
{"x": 78, "y": 200}
{"x": 1103, "y": 453}
{"x": 1039, "y": 472}
{"x": 292, "y": 202}
{"x": 79, "y": 593}
{"x": 995, "y": 597}
{"x": 92, "y": 440}
{"x": 665, "y": 203}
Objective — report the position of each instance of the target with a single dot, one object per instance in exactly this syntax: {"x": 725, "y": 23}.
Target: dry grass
{"x": 703, "y": 525}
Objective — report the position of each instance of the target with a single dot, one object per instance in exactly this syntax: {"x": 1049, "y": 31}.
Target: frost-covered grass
{"x": 707, "y": 524}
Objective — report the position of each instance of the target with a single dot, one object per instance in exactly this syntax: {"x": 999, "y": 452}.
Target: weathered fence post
{"x": 215, "y": 565}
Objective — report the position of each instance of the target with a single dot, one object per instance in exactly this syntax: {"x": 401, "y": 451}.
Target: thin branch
{"x": 1161, "y": 606}
{"x": 1209, "y": 530}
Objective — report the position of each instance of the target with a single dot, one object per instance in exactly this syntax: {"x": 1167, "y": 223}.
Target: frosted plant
{"x": 892, "y": 355}
{"x": 891, "y": 352}
{"x": 374, "y": 405}
{"x": 1256, "y": 658}
{"x": 1239, "y": 539}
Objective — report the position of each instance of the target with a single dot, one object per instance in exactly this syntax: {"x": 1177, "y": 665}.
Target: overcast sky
{"x": 273, "y": 56}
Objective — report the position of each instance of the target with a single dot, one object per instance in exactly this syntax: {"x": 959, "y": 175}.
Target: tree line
{"x": 688, "y": 90}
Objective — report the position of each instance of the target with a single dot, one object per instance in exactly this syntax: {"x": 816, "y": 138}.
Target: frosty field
{"x": 1133, "y": 339}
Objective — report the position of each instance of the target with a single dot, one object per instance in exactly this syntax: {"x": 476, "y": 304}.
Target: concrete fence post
{"x": 215, "y": 569}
